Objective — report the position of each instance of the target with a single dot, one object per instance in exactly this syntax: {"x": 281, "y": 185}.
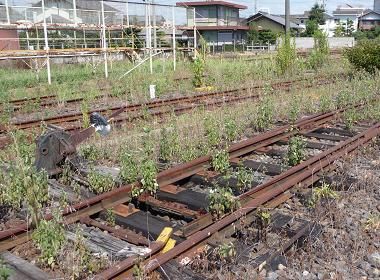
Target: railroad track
{"x": 157, "y": 108}
{"x": 182, "y": 197}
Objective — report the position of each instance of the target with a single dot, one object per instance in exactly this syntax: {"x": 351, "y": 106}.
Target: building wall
{"x": 334, "y": 43}
{"x": 9, "y": 40}
{"x": 268, "y": 24}
{"x": 214, "y": 16}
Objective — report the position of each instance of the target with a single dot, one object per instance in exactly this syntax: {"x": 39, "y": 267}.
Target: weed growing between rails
{"x": 286, "y": 55}
{"x": 320, "y": 51}
{"x": 203, "y": 131}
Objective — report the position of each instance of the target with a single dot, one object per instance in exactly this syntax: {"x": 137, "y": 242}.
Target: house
{"x": 369, "y": 20}
{"x": 344, "y": 13}
{"x": 274, "y": 23}
{"x": 218, "y": 22}
{"x": 328, "y": 27}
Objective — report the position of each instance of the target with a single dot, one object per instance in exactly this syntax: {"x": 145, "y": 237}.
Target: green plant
{"x": 320, "y": 51}
{"x": 90, "y": 152}
{"x": 22, "y": 183}
{"x": 100, "y": 183}
{"x": 373, "y": 222}
{"x": 49, "y": 237}
{"x": 294, "y": 109}
{"x": 231, "y": 129}
{"x": 212, "y": 131}
{"x": 138, "y": 270}
{"x": 169, "y": 143}
{"x": 198, "y": 70}
{"x": 148, "y": 179}
{"x": 325, "y": 102}
{"x": 350, "y": 117}
{"x": 110, "y": 217}
{"x": 244, "y": 178}
{"x": 324, "y": 191}
{"x": 286, "y": 55}
{"x": 265, "y": 113}
{"x": 5, "y": 271}
{"x": 221, "y": 201}
{"x": 220, "y": 161}
{"x": 226, "y": 250}
{"x": 365, "y": 55}
{"x": 128, "y": 168}
{"x": 296, "y": 150}
{"x": 264, "y": 216}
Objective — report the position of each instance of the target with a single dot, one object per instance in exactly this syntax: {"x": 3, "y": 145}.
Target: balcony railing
{"x": 229, "y": 21}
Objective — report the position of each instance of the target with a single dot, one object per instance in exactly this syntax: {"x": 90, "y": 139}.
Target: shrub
{"x": 221, "y": 201}
{"x": 128, "y": 168}
{"x": 265, "y": 113}
{"x": 169, "y": 143}
{"x": 286, "y": 54}
{"x": 220, "y": 161}
{"x": 365, "y": 55}
{"x": 49, "y": 237}
{"x": 100, "y": 183}
{"x": 296, "y": 150}
{"x": 320, "y": 51}
{"x": 148, "y": 179}
{"x": 198, "y": 69}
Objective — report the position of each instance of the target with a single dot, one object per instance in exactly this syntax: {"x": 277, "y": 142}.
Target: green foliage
{"x": 324, "y": 191}
{"x": 244, "y": 178}
{"x": 350, "y": 117}
{"x": 256, "y": 36}
{"x": 212, "y": 132}
{"x": 169, "y": 143}
{"x": 317, "y": 14}
{"x": 325, "y": 103}
{"x": 198, "y": 70}
{"x": 220, "y": 161}
{"x": 84, "y": 108}
{"x": 5, "y": 271}
{"x": 49, "y": 237}
{"x": 296, "y": 150}
{"x": 286, "y": 55}
{"x": 367, "y": 34}
{"x": 265, "y": 113}
{"x": 340, "y": 30}
{"x": 110, "y": 217}
{"x": 365, "y": 55}
{"x": 90, "y": 152}
{"x": 100, "y": 183}
{"x": 221, "y": 201}
{"x": 320, "y": 51}
{"x": 22, "y": 183}
{"x": 294, "y": 109}
{"x": 311, "y": 28}
{"x": 148, "y": 180}
{"x": 264, "y": 216}
{"x": 226, "y": 251}
{"x": 128, "y": 168}
{"x": 231, "y": 129}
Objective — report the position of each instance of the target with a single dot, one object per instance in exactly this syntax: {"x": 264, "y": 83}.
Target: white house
{"x": 347, "y": 12}
{"x": 328, "y": 27}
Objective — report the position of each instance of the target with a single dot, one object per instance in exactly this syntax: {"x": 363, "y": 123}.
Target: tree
{"x": 311, "y": 27}
{"x": 339, "y": 30}
{"x": 256, "y": 36}
{"x": 349, "y": 27}
{"x": 253, "y": 34}
{"x": 317, "y": 14}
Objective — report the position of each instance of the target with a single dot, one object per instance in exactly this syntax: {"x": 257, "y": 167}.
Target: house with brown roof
{"x": 218, "y": 22}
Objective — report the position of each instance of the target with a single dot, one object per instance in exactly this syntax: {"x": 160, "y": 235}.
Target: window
{"x": 337, "y": 20}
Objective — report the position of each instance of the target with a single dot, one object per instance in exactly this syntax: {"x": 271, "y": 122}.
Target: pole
{"x": 75, "y": 12}
{"x": 46, "y": 43}
{"x": 287, "y": 17}
{"x": 7, "y": 12}
{"x": 104, "y": 41}
{"x": 127, "y": 12}
{"x": 154, "y": 26}
{"x": 255, "y": 6}
{"x": 150, "y": 39}
{"x": 174, "y": 53}
{"x": 195, "y": 35}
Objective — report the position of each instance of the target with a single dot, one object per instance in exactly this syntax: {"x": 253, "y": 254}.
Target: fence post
{"x": 174, "y": 51}
{"x": 46, "y": 43}
{"x": 7, "y": 12}
{"x": 104, "y": 41}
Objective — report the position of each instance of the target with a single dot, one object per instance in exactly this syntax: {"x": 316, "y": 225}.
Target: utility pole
{"x": 287, "y": 17}
{"x": 255, "y": 6}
